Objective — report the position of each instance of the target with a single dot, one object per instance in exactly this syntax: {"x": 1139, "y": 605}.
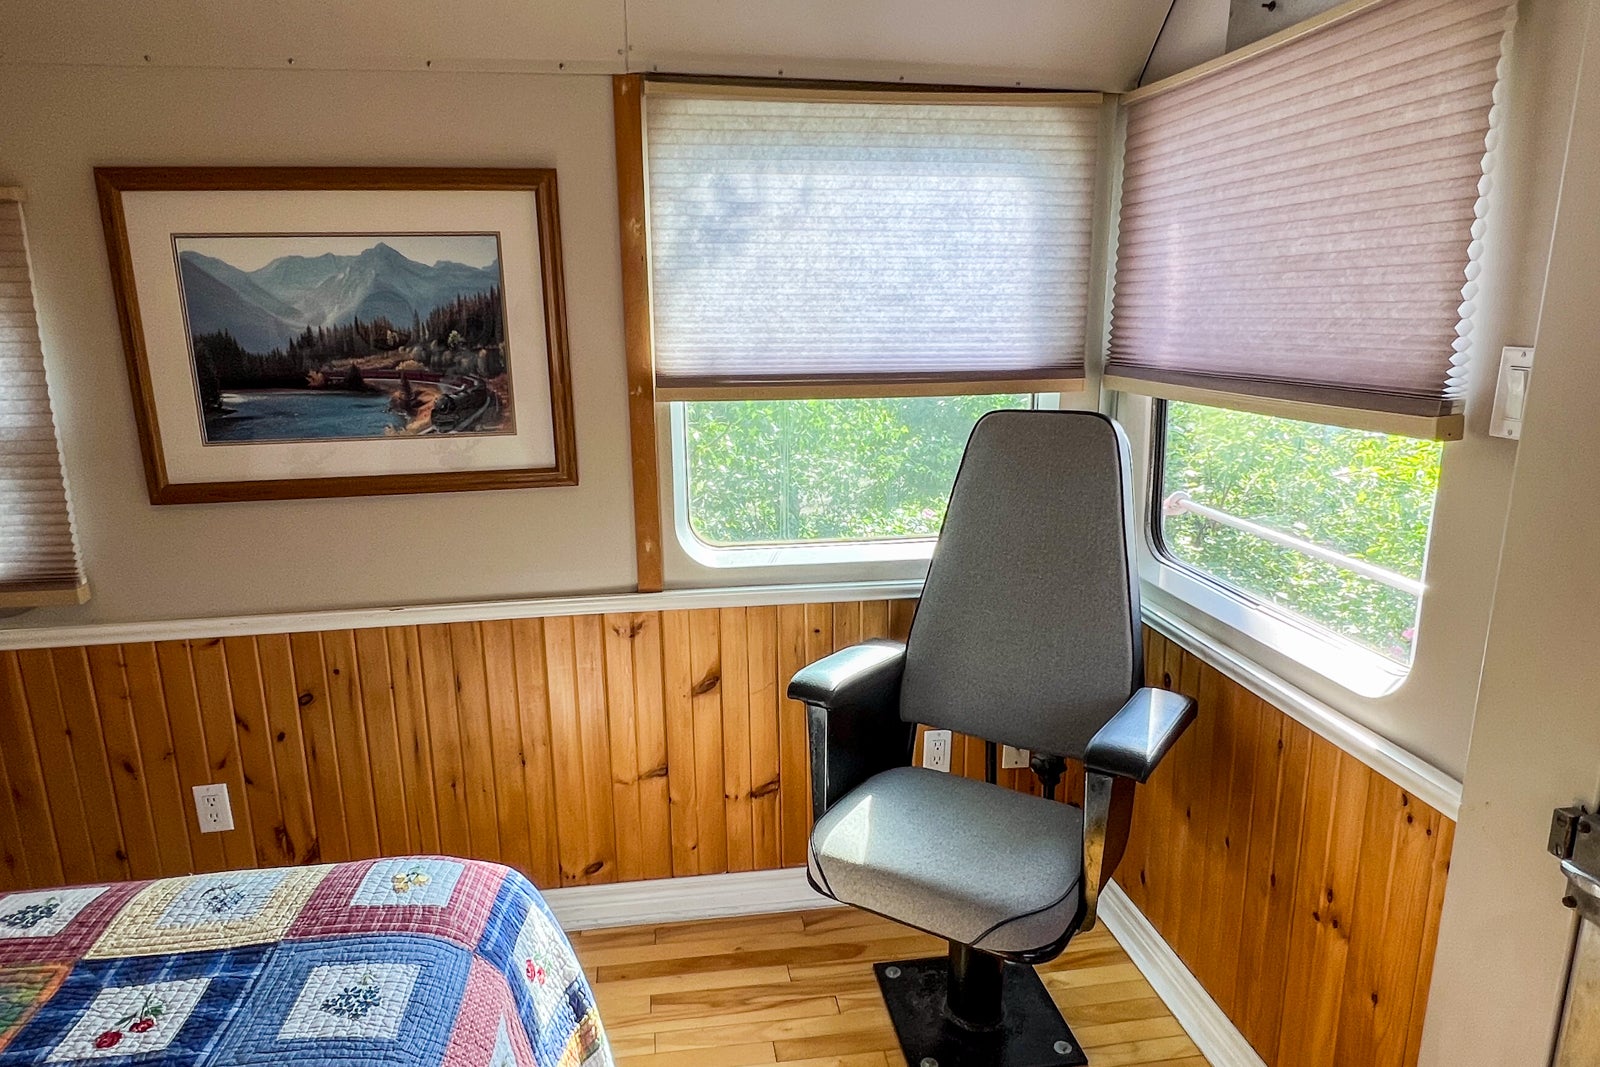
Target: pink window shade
{"x": 38, "y": 551}
{"x": 1303, "y": 224}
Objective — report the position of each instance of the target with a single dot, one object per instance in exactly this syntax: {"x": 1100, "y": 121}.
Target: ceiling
{"x": 1079, "y": 44}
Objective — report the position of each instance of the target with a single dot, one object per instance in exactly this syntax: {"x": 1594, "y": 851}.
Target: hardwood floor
{"x": 798, "y": 989}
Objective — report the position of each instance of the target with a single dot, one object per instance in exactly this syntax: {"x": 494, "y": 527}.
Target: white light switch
{"x": 1511, "y": 392}
{"x": 1516, "y": 392}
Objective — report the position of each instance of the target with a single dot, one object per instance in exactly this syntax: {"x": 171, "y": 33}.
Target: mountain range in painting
{"x": 264, "y": 308}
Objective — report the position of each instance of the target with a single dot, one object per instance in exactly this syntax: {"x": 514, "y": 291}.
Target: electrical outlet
{"x": 936, "y": 750}
{"x": 1011, "y": 758}
{"x": 211, "y": 805}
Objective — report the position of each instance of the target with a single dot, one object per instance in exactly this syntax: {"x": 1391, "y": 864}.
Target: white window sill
{"x": 816, "y": 554}
{"x": 1344, "y": 663}
{"x": 694, "y": 563}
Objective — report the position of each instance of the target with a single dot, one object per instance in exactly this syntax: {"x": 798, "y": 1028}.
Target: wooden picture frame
{"x": 269, "y": 353}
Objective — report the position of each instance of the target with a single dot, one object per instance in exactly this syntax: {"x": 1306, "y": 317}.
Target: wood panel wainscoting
{"x": 1301, "y": 888}
{"x": 578, "y": 749}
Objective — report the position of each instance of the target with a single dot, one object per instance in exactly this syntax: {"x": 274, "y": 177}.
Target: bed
{"x": 419, "y": 960}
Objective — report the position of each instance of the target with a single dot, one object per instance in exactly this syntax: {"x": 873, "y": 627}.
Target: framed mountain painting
{"x": 317, "y": 332}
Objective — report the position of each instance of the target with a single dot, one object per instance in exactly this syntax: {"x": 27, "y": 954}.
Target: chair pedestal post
{"x": 972, "y": 997}
{"x": 1049, "y": 769}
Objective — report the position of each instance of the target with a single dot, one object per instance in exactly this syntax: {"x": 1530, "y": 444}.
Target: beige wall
{"x": 149, "y": 562}
{"x": 1504, "y": 937}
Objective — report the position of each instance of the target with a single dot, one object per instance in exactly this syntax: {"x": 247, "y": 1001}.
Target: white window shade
{"x": 39, "y": 561}
{"x": 870, "y": 243}
{"x": 1302, "y": 225}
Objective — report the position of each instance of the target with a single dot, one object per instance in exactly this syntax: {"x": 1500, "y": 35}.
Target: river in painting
{"x": 302, "y": 415}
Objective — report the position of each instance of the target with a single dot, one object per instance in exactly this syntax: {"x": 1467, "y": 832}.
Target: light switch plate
{"x": 212, "y": 807}
{"x": 1511, "y": 392}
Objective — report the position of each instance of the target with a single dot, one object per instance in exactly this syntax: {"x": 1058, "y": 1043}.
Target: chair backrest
{"x": 1028, "y": 630}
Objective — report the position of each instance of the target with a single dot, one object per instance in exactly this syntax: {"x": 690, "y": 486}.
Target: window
{"x": 775, "y": 472}
{"x": 1327, "y": 524}
{"x": 838, "y": 284}
{"x": 39, "y": 561}
{"x": 1298, "y": 252}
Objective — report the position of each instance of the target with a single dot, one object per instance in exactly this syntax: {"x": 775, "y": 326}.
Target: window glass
{"x": 1329, "y": 524}
{"x": 796, "y": 471}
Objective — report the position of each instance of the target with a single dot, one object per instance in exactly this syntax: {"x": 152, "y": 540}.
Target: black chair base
{"x": 1031, "y": 1032}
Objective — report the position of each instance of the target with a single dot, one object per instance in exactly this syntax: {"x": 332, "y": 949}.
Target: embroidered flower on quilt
{"x": 405, "y": 880}
{"x": 222, "y": 898}
{"x": 354, "y": 1001}
{"x": 140, "y": 1020}
{"x": 537, "y": 968}
{"x": 30, "y": 915}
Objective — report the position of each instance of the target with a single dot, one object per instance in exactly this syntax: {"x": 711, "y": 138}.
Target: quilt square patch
{"x": 358, "y": 1000}
{"x": 413, "y": 894}
{"x": 225, "y": 897}
{"x": 129, "y": 1020}
{"x": 24, "y": 988}
{"x": 526, "y": 944}
{"x": 489, "y": 1034}
{"x": 59, "y": 924}
{"x": 369, "y": 1000}
{"x": 44, "y": 913}
{"x": 209, "y": 911}
{"x": 418, "y": 881}
{"x": 124, "y": 1011}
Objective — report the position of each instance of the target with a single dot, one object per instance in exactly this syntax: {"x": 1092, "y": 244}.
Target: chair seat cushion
{"x": 968, "y": 861}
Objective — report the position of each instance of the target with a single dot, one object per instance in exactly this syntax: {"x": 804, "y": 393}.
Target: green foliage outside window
{"x": 1367, "y": 495}
{"x": 777, "y": 471}
{"x": 770, "y": 471}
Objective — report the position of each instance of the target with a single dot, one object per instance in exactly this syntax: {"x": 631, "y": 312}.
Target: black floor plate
{"x": 1031, "y": 1034}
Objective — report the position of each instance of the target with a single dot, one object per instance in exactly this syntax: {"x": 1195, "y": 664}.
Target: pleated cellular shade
{"x": 1303, "y": 225}
{"x": 39, "y": 560}
{"x": 809, "y": 244}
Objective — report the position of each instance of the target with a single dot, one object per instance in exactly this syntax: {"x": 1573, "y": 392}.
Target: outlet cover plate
{"x": 212, "y": 807}
{"x": 936, "y": 750}
{"x": 1011, "y": 758}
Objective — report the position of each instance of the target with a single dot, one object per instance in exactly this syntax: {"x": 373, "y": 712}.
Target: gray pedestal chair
{"x": 1028, "y": 635}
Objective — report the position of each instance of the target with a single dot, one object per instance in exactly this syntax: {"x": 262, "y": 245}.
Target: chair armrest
{"x": 1138, "y": 736}
{"x": 852, "y": 703}
{"x": 1123, "y": 751}
{"x": 860, "y": 674}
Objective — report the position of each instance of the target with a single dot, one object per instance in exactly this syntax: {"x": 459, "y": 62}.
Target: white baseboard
{"x": 1210, "y": 1029}
{"x": 704, "y": 896}
{"x": 718, "y": 896}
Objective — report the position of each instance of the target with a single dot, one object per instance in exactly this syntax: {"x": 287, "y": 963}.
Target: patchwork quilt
{"x": 425, "y": 961}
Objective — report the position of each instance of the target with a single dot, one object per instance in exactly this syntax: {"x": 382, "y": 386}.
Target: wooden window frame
{"x": 627, "y": 98}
